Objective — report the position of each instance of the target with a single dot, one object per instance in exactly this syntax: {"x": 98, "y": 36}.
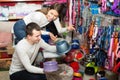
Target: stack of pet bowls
{"x": 50, "y": 66}
{"x": 62, "y": 46}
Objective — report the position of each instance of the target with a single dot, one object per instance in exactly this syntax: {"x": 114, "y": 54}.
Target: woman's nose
{"x": 52, "y": 16}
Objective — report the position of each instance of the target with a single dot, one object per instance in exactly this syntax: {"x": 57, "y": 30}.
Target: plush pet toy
{"x": 117, "y": 68}
{"x": 75, "y": 66}
{"x": 74, "y": 55}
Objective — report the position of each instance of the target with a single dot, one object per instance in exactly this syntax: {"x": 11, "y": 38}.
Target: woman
{"x": 42, "y": 18}
{"x": 51, "y": 27}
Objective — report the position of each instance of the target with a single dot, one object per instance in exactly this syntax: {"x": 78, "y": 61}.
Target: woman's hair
{"x": 61, "y": 8}
{"x": 30, "y": 27}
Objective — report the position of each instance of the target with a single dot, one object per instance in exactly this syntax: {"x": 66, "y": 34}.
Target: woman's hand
{"x": 53, "y": 38}
{"x": 70, "y": 28}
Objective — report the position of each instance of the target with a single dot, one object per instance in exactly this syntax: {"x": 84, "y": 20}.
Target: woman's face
{"x": 52, "y": 15}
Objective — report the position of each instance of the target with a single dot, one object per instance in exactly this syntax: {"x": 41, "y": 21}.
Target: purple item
{"x": 50, "y": 66}
{"x": 115, "y": 4}
{"x": 104, "y": 5}
{"x": 114, "y": 7}
{"x": 117, "y": 11}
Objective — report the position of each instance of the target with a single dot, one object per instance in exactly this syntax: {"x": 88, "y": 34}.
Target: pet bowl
{"x": 62, "y": 47}
{"x": 50, "y": 66}
{"x": 75, "y": 44}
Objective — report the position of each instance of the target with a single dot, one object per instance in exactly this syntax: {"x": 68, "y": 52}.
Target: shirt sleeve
{"x": 25, "y": 61}
{"x": 45, "y": 32}
{"x": 47, "y": 47}
{"x": 59, "y": 27}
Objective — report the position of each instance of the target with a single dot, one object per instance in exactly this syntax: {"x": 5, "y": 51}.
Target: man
{"x": 25, "y": 53}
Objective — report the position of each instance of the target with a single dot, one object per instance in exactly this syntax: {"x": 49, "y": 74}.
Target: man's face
{"x": 52, "y": 15}
{"x": 35, "y": 38}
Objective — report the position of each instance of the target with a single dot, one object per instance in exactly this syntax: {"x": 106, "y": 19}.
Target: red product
{"x": 75, "y": 66}
{"x": 4, "y": 55}
{"x": 116, "y": 68}
{"x": 78, "y": 56}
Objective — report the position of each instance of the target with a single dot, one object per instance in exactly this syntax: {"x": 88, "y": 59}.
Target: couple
{"x": 27, "y": 32}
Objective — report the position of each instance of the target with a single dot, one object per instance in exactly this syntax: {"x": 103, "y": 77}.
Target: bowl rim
{"x": 49, "y": 62}
{"x": 65, "y": 51}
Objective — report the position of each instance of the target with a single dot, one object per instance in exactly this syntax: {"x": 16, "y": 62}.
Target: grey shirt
{"x": 25, "y": 54}
{"x": 41, "y": 20}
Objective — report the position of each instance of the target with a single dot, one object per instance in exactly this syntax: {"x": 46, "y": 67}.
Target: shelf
{"x": 11, "y": 3}
{"x": 5, "y": 59}
{"x": 3, "y": 51}
{"x": 18, "y": 0}
{"x": 8, "y": 50}
{"x": 14, "y": 19}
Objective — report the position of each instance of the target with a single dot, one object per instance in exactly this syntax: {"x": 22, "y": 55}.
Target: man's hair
{"x": 30, "y": 27}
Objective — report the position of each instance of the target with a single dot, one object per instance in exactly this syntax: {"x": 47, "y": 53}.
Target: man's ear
{"x": 28, "y": 36}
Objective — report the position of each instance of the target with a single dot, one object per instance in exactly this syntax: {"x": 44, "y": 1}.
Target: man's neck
{"x": 29, "y": 41}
